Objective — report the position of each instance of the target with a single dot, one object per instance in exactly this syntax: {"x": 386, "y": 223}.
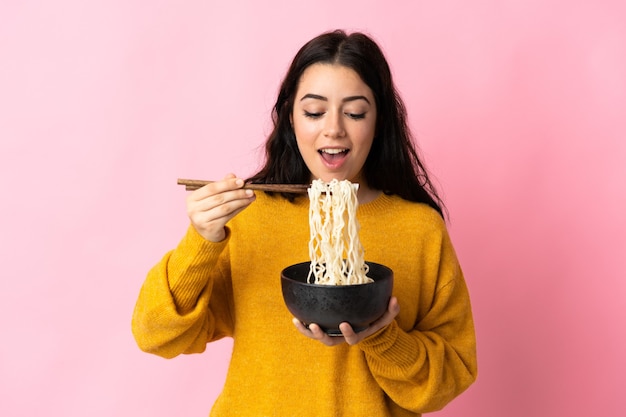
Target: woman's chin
{"x": 329, "y": 178}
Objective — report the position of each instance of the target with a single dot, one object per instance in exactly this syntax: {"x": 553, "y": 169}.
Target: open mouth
{"x": 332, "y": 155}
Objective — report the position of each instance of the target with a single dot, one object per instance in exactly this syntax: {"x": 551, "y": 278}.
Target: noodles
{"x": 337, "y": 256}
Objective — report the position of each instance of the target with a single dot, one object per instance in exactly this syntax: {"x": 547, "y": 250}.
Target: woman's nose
{"x": 334, "y": 127}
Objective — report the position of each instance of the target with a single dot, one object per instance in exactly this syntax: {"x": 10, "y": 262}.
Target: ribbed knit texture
{"x": 203, "y": 291}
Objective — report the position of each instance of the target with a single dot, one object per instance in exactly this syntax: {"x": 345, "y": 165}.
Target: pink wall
{"x": 519, "y": 107}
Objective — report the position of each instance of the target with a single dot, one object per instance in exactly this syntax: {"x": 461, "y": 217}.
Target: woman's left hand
{"x": 348, "y": 335}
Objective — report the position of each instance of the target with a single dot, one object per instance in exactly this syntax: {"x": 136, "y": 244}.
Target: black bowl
{"x": 330, "y": 305}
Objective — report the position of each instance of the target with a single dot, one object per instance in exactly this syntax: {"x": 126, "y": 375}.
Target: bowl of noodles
{"x": 330, "y": 305}
{"x": 337, "y": 285}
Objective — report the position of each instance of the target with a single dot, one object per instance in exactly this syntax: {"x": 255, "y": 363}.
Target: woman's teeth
{"x": 333, "y": 151}
{"x": 333, "y": 156}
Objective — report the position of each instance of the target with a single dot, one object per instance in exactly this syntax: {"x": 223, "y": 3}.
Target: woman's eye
{"x": 356, "y": 116}
{"x": 313, "y": 115}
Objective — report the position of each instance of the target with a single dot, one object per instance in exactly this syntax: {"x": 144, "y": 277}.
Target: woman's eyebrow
{"x": 314, "y": 97}
{"x": 354, "y": 98}
{"x": 345, "y": 100}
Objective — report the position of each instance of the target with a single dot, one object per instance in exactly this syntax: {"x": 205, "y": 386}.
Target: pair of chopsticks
{"x": 191, "y": 185}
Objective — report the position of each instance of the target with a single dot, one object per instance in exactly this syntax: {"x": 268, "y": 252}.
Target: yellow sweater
{"x": 203, "y": 291}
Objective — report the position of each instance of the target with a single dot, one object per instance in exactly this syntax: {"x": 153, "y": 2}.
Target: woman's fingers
{"x": 213, "y": 205}
{"x": 389, "y": 316}
{"x": 313, "y": 331}
{"x": 348, "y": 335}
{"x": 222, "y": 203}
{"x": 216, "y": 188}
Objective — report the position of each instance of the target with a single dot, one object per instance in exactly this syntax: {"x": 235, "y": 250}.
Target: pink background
{"x": 519, "y": 107}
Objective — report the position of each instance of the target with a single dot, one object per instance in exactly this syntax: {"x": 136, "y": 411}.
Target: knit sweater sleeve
{"x": 185, "y": 300}
{"x": 422, "y": 369}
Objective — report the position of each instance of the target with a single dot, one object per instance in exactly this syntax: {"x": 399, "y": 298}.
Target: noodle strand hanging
{"x": 337, "y": 256}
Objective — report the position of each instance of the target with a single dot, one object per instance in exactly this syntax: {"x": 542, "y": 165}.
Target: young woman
{"x": 337, "y": 115}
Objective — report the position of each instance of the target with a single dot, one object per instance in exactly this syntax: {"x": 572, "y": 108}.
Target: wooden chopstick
{"x": 191, "y": 185}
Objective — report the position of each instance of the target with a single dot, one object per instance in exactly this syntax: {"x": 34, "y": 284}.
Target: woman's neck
{"x": 366, "y": 194}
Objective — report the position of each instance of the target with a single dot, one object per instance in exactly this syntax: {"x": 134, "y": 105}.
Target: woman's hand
{"x": 349, "y": 336}
{"x": 209, "y": 208}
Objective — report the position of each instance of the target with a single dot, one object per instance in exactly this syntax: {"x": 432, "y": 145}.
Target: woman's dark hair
{"x": 392, "y": 165}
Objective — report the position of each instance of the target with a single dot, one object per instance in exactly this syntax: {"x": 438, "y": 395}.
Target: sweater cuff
{"x": 194, "y": 245}
{"x": 391, "y": 344}
{"x": 188, "y": 263}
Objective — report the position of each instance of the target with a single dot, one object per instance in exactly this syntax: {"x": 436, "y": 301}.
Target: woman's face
{"x": 334, "y": 119}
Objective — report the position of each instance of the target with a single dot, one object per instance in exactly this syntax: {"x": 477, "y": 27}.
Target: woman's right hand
{"x": 212, "y": 206}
